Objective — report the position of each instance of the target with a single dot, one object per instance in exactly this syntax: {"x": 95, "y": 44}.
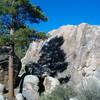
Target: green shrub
{"x": 63, "y": 92}
{"x": 89, "y": 89}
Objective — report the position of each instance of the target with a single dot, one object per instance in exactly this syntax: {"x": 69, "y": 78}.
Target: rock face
{"x": 32, "y": 54}
{"x": 51, "y": 59}
{"x": 81, "y": 49}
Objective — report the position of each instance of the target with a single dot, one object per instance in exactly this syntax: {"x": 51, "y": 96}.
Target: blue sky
{"x": 64, "y": 12}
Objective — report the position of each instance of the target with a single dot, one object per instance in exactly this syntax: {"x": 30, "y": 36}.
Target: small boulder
{"x": 50, "y": 84}
{"x": 19, "y": 96}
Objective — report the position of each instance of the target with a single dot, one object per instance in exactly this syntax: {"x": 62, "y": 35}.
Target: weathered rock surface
{"x": 81, "y": 47}
{"x": 32, "y": 55}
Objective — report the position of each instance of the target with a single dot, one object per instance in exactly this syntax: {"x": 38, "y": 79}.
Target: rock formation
{"x": 71, "y": 51}
{"x": 51, "y": 62}
{"x": 30, "y": 56}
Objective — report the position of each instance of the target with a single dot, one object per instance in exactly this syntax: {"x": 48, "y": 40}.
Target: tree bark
{"x": 11, "y": 85}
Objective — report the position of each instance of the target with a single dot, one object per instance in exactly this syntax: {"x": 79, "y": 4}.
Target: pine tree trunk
{"x": 11, "y": 88}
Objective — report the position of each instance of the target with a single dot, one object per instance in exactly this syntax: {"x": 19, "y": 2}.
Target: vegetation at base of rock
{"x": 14, "y": 16}
{"x": 63, "y": 92}
{"x": 88, "y": 90}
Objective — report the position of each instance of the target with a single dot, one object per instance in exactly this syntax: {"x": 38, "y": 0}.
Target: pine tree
{"x": 14, "y": 14}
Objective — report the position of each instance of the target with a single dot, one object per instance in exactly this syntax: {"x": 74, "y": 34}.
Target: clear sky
{"x": 64, "y": 12}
